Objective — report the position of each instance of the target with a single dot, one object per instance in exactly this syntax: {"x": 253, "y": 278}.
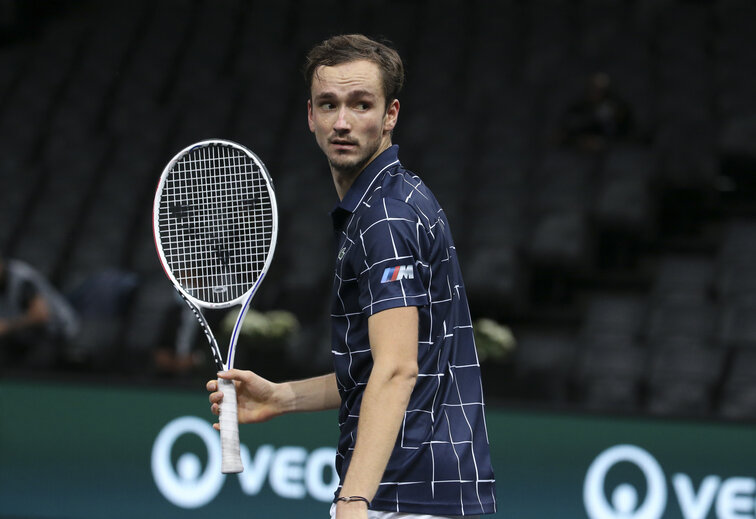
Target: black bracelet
{"x": 353, "y": 498}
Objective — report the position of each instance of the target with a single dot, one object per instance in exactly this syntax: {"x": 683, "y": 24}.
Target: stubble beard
{"x": 352, "y": 166}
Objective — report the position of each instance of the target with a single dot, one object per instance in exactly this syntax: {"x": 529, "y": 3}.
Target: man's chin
{"x": 347, "y": 165}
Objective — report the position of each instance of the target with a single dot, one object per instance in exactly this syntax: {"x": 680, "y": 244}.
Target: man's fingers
{"x": 234, "y": 374}
{"x": 240, "y": 377}
{"x": 215, "y": 398}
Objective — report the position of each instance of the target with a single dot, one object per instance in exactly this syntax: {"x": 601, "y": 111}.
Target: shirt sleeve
{"x": 395, "y": 247}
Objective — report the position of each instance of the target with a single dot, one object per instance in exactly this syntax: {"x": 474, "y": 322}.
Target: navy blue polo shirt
{"x": 394, "y": 248}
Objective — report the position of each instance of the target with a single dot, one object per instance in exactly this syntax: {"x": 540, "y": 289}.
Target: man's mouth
{"x": 343, "y": 144}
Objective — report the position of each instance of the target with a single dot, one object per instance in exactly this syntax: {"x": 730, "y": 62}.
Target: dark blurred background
{"x": 596, "y": 159}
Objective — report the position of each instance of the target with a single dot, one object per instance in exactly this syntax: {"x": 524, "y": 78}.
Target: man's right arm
{"x": 260, "y": 399}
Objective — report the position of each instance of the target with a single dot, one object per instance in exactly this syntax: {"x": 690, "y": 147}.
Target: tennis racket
{"x": 215, "y": 223}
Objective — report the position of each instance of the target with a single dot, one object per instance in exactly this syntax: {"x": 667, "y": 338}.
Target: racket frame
{"x": 231, "y": 461}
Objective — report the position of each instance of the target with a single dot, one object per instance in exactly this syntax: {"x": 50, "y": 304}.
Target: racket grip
{"x": 229, "y": 429}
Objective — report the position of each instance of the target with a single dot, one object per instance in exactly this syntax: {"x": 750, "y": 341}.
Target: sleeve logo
{"x": 397, "y": 273}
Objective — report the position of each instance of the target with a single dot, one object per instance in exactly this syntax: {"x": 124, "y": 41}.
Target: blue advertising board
{"x": 77, "y": 451}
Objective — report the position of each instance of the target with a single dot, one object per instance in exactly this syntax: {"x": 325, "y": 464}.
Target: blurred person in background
{"x": 34, "y": 318}
{"x": 598, "y": 118}
{"x": 181, "y": 332}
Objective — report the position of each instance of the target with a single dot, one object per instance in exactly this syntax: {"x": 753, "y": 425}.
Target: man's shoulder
{"x": 22, "y": 272}
{"x": 399, "y": 182}
{"x": 386, "y": 207}
{"x": 403, "y": 190}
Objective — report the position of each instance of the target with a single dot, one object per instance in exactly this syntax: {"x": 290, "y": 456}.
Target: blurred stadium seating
{"x": 627, "y": 275}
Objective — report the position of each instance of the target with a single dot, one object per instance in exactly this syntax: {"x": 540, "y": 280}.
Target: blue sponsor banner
{"x": 72, "y": 451}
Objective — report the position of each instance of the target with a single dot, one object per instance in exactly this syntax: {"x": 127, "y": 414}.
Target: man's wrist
{"x": 353, "y": 499}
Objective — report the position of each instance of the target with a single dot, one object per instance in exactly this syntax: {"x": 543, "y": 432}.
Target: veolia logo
{"x": 292, "y": 472}
{"x": 185, "y": 486}
{"x": 624, "y": 498}
{"x": 722, "y": 498}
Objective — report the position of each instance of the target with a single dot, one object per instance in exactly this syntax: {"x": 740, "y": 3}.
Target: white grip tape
{"x": 229, "y": 429}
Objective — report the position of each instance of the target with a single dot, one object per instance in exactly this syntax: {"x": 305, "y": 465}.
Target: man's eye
{"x": 363, "y": 106}
{"x": 327, "y": 106}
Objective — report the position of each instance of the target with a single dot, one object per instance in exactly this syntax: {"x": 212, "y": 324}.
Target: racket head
{"x": 215, "y": 222}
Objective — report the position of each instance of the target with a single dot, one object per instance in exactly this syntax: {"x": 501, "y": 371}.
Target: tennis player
{"x": 413, "y": 440}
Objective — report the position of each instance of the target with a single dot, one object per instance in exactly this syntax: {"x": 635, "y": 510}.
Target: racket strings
{"x": 216, "y": 222}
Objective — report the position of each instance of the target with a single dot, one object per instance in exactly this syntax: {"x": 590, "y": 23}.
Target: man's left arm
{"x": 393, "y": 343}
{"x": 36, "y": 315}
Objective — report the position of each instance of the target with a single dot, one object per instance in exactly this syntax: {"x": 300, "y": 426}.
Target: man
{"x": 413, "y": 437}
{"x": 24, "y": 316}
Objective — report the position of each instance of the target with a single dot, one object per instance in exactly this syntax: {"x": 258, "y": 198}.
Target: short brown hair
{"x": 353, "y": 47}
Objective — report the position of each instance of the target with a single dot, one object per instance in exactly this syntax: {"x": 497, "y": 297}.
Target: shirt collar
{"x": 362, "y": 184}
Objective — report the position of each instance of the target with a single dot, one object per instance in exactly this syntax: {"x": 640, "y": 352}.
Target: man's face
{"x": 347, "y": 113}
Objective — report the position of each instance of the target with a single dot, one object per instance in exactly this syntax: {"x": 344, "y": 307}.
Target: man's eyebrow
{"x": 354, "y": 94}
{"x": 361, "y": 93}
{"x": 325, "y": 95}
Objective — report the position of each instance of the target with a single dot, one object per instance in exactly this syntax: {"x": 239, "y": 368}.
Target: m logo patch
{"x": 397, "y": 273}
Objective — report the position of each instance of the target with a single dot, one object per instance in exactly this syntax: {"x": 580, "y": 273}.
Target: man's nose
{"x": 342, "y": 123}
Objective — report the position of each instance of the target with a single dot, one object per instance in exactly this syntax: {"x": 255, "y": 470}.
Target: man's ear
{"x": 310, "y": 122}
{"x": 392, "y": 116}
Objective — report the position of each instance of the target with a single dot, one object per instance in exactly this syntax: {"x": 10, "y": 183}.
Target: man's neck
{"x": 343, "y": 180}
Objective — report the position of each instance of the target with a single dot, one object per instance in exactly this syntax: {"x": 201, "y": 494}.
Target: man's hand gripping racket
{"x": 215, "y": 223}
